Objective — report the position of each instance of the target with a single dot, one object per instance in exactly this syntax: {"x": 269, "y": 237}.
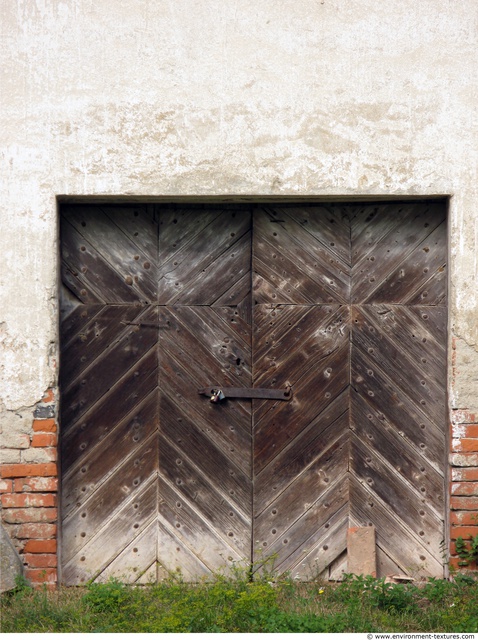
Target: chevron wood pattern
{"x": 344, "y": 302}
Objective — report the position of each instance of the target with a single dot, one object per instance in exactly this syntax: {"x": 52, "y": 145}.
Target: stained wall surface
{"x": 159, "y": 99}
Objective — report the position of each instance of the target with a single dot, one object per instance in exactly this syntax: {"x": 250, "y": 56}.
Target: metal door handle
{"x": 217, "y": 393}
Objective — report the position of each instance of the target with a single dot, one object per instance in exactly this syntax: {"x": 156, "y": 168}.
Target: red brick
{"x": 11, "y": 500}
{"x": 37, "y": 530}
{"x": 464, "y": 517}
{"x": 6, "y": 486}
{"x": 47, "y": 426}
{"x": 455, "y": 564}
{"x": 19, "y": 470}
{"x": 464, "y": 489}
{"x": 30, "y": 514}
{"x": 37, "y": 560}
{"x": 36, "y": 484}
{"x": 462, "y": 416}
{"x": 49, "y": 396}
{"x": 466, "y": 445}
{"x": 40, "y": 546}
{"x": 465, "y": 474}
{"x": 464, "y": 532}
{"x": 39, "y": 576}
{"x": 44, "y": 439}
{"x": 467, "y": 503}
{"x": 470, "y": 430}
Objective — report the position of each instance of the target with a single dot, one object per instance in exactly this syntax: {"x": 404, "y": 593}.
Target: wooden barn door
{"x": 344, "y": 303}
{"x": 155, "y": 478}
{"x": 350, "y": 309}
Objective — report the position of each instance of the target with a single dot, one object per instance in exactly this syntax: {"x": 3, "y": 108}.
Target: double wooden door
{"x": 345, "y": 303}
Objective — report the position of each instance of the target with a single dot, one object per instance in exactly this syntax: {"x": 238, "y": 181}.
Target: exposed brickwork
{"x": 28, "y": 493}
{"x": 464, "y": 481}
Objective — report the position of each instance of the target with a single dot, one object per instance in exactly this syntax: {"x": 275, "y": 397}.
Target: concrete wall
{"x": 290, "y": 98}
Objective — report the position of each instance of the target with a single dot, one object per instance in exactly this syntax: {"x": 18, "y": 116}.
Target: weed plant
{"x": 238, "y": 604}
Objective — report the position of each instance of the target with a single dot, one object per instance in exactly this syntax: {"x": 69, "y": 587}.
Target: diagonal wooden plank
{"x": 121, "y": 445}
{"x": 187, "y": 277}
{"x": 388, "y": 403}
{"x": 135, "y": 559}
{"x": 283, "y": 241}
{"x": 328, "y": 224}
{"x": 282, "y": 543}
{"x": 109, "y": 242}
{"x": 284, "y": 421}
{"x": 138, "y": 223}
{"x": 283, "y": 508}
{"x": 81, "y": 392}
{"x": 212, "y": 283}
{"x": 413, "y": 378}
{"x": 93, "y": 426}
{"x": 112, "y": 537}
{"x": 407, "y": 461}
{"x": 410, "y": 275}
{"x": 407, "y": 550}
{"x": 301, "y": 453}
{"x": 380, "y": 249}
{"x": 408, "y": 502}
{"x": 214, "y": 547}
{"x": 320, "y": 551}
{"x": 95, "y": 337}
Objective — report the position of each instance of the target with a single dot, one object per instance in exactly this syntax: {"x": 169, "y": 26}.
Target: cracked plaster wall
{"x": 297, "y": 98}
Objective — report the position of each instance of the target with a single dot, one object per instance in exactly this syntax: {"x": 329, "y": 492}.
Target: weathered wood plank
{"x": 112, "y": 538}
{"x": 378, "y": 251}
{"x": 202, "y": 495}
{"x": 284, "y": 508}
{"x": 121, "y": 446}
{"x": 387, "y": 402}
{"x": 407, "y": 461}
{"x": 409, "y": 503}
{"x": 84, "y": 390}
{"x": 284, "y": 543}
{"x": 408, "y": 551}
{"x": 300, "y": 453}
{"x": 116, "y": 248}
{"x": 410, "y": 375}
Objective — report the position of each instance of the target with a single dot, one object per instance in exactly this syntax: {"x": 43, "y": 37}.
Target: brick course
{"x": 28, "y": 493}
{"x": 464, "y": 481}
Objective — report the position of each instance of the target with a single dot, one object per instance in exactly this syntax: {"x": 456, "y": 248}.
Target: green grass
{"x": 238, "y": 605}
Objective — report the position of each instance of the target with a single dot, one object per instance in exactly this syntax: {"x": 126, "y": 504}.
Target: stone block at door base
{"x": 361, "y": 551}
